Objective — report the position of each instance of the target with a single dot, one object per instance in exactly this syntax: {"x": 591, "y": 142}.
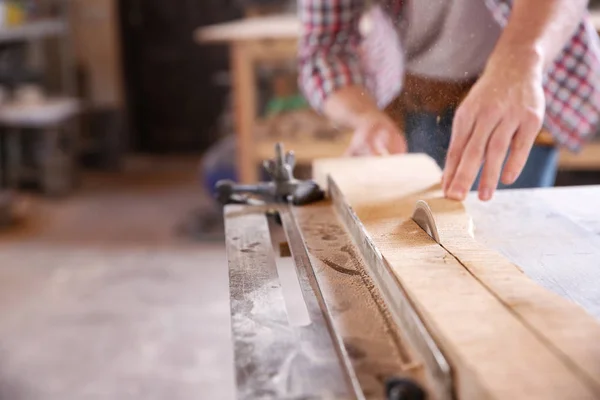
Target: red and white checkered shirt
{"x": 333, "y": 54}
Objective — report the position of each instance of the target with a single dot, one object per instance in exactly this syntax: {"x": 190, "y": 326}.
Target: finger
{"x": 377, "y": 142}
{"x": 358, "y": 145}
{"x": 520, "y": 148}
{"x": 351, "y": 151}
{"x": 398, "y": 143}
{"x": 381, "y": 148}
{"x": 472, "y": 157}
{"x": 462, "y": 127}
{"x": 494, "y": 157}
{"x": 389, "y": 141}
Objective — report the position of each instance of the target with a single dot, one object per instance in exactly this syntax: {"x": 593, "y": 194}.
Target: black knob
{"x": 307, "y": 192}
{"x": 404, "y": 389}
{"x": 225, "y": 189}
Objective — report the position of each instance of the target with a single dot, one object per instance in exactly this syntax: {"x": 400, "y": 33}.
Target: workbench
{"x": 84, "y": 319}
{"x": 274, "y": 38}
{"x": 251, "y": 41}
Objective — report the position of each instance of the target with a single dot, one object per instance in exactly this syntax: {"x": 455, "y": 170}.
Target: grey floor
{"x": 101, "y": 298}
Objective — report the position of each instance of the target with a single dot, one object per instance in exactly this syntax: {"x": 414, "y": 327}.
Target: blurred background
{"x": 117, "y": 117}
{"x": 102, "y": 90}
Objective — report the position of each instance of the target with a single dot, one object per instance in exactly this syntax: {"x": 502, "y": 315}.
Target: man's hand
{"x": 376, "y": 134}
{"x": 505, "y": 109}
{"x": 501, "y": 115}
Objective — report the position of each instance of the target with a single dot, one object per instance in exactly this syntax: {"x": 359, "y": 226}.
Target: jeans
{"x": 430, "y": 134}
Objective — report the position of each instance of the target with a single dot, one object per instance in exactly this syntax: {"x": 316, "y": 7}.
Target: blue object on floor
{"x": 219, "y": 162}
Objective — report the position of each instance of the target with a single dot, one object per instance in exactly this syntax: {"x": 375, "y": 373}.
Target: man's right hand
{"x": 376, "y": 133}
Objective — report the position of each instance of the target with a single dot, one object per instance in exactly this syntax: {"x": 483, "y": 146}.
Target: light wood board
{"x": 258, "y": 28}
{"x": 505, "y": 336}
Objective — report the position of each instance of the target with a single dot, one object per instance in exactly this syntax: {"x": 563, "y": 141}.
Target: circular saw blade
{"x": 423, "y": 216}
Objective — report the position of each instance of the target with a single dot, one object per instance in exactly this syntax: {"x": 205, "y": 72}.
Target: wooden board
{"x": 258, "y": 28}
{"x": 505, "y": 336}
{"x": 306, "y": 149}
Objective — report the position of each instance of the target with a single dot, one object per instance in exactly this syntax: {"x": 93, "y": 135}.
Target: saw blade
{"x": 424, "y": 218}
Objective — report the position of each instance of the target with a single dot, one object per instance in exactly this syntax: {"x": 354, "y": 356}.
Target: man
{"x": 482, "y": 77}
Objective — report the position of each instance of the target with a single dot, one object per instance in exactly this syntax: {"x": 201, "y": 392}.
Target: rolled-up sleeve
{"x": 329, "y": 47}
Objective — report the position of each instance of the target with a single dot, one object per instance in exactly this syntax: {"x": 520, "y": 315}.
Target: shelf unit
{"x": 15, "y": 117}
{"x": 33, "y": 30}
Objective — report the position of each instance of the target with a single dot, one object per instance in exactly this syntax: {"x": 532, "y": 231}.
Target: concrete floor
{"x": 101, "y": 299}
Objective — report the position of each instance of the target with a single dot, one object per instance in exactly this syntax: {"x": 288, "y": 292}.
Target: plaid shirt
{"x": 333, "y": 54}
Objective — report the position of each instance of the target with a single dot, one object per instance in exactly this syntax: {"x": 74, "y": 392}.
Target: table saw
{"x": 402, "y": 296}
{"x": 98, "y": 313}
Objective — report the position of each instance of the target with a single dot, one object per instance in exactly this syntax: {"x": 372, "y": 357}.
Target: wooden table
{"x": 253, "y": 40}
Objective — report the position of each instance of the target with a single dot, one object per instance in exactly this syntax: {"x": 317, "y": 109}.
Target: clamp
{"x": 283, "y": 187}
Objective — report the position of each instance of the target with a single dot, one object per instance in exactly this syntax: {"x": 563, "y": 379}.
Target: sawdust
{"x": 372, "y": 339}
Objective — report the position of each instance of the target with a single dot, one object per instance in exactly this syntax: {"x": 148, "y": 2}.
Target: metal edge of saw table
{"x": 310, "y": 285}
{"x": 397, "y": 300}
{"x": 267, "y": 346}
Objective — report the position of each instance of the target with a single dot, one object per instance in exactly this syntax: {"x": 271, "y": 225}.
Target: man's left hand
{"x": 503, "y": 111}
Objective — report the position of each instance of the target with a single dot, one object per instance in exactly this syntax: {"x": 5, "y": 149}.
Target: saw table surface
{"x": 482, "y": 309}
{"x": 133, "y": 323}
{"x": 552, "y": 234}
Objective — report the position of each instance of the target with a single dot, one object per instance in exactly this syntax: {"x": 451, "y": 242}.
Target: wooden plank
{"x": 307, "y": 148}
{"x": 258, "y": 28}
{"x": 570, "y": 331}
{"x": 400, "y": 307}
{"x": 273, "y": 358}
{"x": 481, "y": 332}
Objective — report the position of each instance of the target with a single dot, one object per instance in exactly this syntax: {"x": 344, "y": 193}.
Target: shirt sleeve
{"x": 329, "y": 48}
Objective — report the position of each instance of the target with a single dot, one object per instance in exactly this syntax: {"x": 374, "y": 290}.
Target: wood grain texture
{"x": 569, "y": 331}
{"x": 505, "y": 335}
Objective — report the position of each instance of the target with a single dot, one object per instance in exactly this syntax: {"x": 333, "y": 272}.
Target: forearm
{"x": 329, "y": 48}
{"x": 536, "y": 32}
